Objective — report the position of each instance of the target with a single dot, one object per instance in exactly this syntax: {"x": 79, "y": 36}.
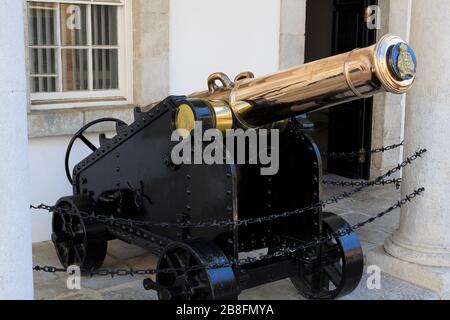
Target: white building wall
{"x": 205, "y": 36}
{"x": 230, "y": 36}
{"x": 48, "y": 180}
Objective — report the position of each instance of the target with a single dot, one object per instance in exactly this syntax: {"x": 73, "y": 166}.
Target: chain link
{"x": 396, "y": 182}
{"x": 283, "y": 252}
{"x": 362, "y": 153}
{"x": 231, "y": 223}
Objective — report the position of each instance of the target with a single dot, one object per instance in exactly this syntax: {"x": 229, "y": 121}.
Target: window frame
{"x": 92, "y": 98}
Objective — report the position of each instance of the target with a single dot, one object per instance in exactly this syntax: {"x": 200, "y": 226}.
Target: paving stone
{"x": 87, "y": 295}
{"x": 390, "y": 289}
{"x": 48, "y": 289}
{"x": 353, "y": 217}
{"x": 372, "y": 236}
{"x": 280, "y": 290}
{"x": 144, "y": 261}
{"x": 44, "y": 254}
{"x": 133, "y": 292}
{"x": 367, "y": 246}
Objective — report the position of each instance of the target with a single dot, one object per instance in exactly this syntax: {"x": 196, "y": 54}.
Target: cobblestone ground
{"x": 359, "y": 207}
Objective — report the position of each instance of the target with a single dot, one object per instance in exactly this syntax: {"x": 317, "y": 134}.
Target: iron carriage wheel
{"x": 77, "y": 241}
{"x": 199, "y": 284}
{"x": 340, "y": 266}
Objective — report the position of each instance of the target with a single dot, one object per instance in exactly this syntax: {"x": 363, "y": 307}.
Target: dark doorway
{"x": 333, "y": 27}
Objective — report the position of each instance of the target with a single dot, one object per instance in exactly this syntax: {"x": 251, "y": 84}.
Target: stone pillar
{"x": 16, "y": 281}
{"x": 292, "y": 33}
{"x": 421, "y": 245}
{"x": 151, "y": 23}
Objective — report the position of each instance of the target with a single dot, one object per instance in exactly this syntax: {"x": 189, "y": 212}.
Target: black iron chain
{"x": 362, "y": 153}
{"x": 229, "y": 223}
{"x": 396, "y": 182}
{"x": 283, "y": 252}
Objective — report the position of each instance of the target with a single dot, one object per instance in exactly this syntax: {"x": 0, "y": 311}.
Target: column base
{"x": 436, "y": 279}
{"x": 415, "y": 253}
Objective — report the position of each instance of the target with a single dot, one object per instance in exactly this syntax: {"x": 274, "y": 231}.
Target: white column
{"x": 16, "y": 281}
{"x": 424, "y": 233}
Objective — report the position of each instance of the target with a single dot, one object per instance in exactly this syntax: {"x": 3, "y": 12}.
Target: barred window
{"x": 76, "y": 49}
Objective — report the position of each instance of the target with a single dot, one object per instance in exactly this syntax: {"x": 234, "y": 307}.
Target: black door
{"x": 350, "y": 125}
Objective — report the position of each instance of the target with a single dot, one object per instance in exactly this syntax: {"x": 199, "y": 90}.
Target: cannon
{"x": 201, "y": 220}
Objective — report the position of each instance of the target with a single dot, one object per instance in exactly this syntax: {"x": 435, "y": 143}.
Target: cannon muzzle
{"x": 388, "y": 66}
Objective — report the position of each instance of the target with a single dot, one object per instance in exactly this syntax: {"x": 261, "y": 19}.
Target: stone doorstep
{"x": 431, "y": 278}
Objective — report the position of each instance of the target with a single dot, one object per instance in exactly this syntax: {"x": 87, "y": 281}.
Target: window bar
{"x": 48, "y": 52}
{"x": 78, "y": 68}
{"x": 90, "y": 51}
{"x": 39, "y": 51}
{"x": 73, "y": 57}
{"x": 59, "y": 69}
{"x": 103, "y": 52}
{"x": 95, "y": 52}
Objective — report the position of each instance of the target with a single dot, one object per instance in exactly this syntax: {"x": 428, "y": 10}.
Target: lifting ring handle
{"x": 218, "y": 76}
{"x": 90, "y": 145}
{"x": 244, "y": 75}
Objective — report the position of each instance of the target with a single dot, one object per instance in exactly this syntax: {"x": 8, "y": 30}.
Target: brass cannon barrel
{"x": 388, "y": 66}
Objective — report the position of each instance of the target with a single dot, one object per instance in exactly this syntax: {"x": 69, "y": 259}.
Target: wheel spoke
{"x": 78, "y": 256}
{"x": 87, "y": 143}
{"x": 325, "y": 282}
{"x": 65, "y": 221}
{"x": 316, "y": 282}
{"x": 334, "y": 273}
{"x": 64, "y": 252}
{"x": 179, "y": 261}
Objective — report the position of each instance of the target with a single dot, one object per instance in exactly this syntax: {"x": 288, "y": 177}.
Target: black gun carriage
{"x": 131, "y": 176}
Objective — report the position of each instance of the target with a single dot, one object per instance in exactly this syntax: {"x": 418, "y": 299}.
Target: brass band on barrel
{"x": 221, "y": 116}
{"x": 348, "y": 78}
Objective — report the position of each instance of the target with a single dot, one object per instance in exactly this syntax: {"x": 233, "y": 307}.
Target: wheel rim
{"x": 181, "y": 285}
{"x": 79, "y": 135}
{"x": 69, "y": 237}
{"x": 341, "y": 266}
